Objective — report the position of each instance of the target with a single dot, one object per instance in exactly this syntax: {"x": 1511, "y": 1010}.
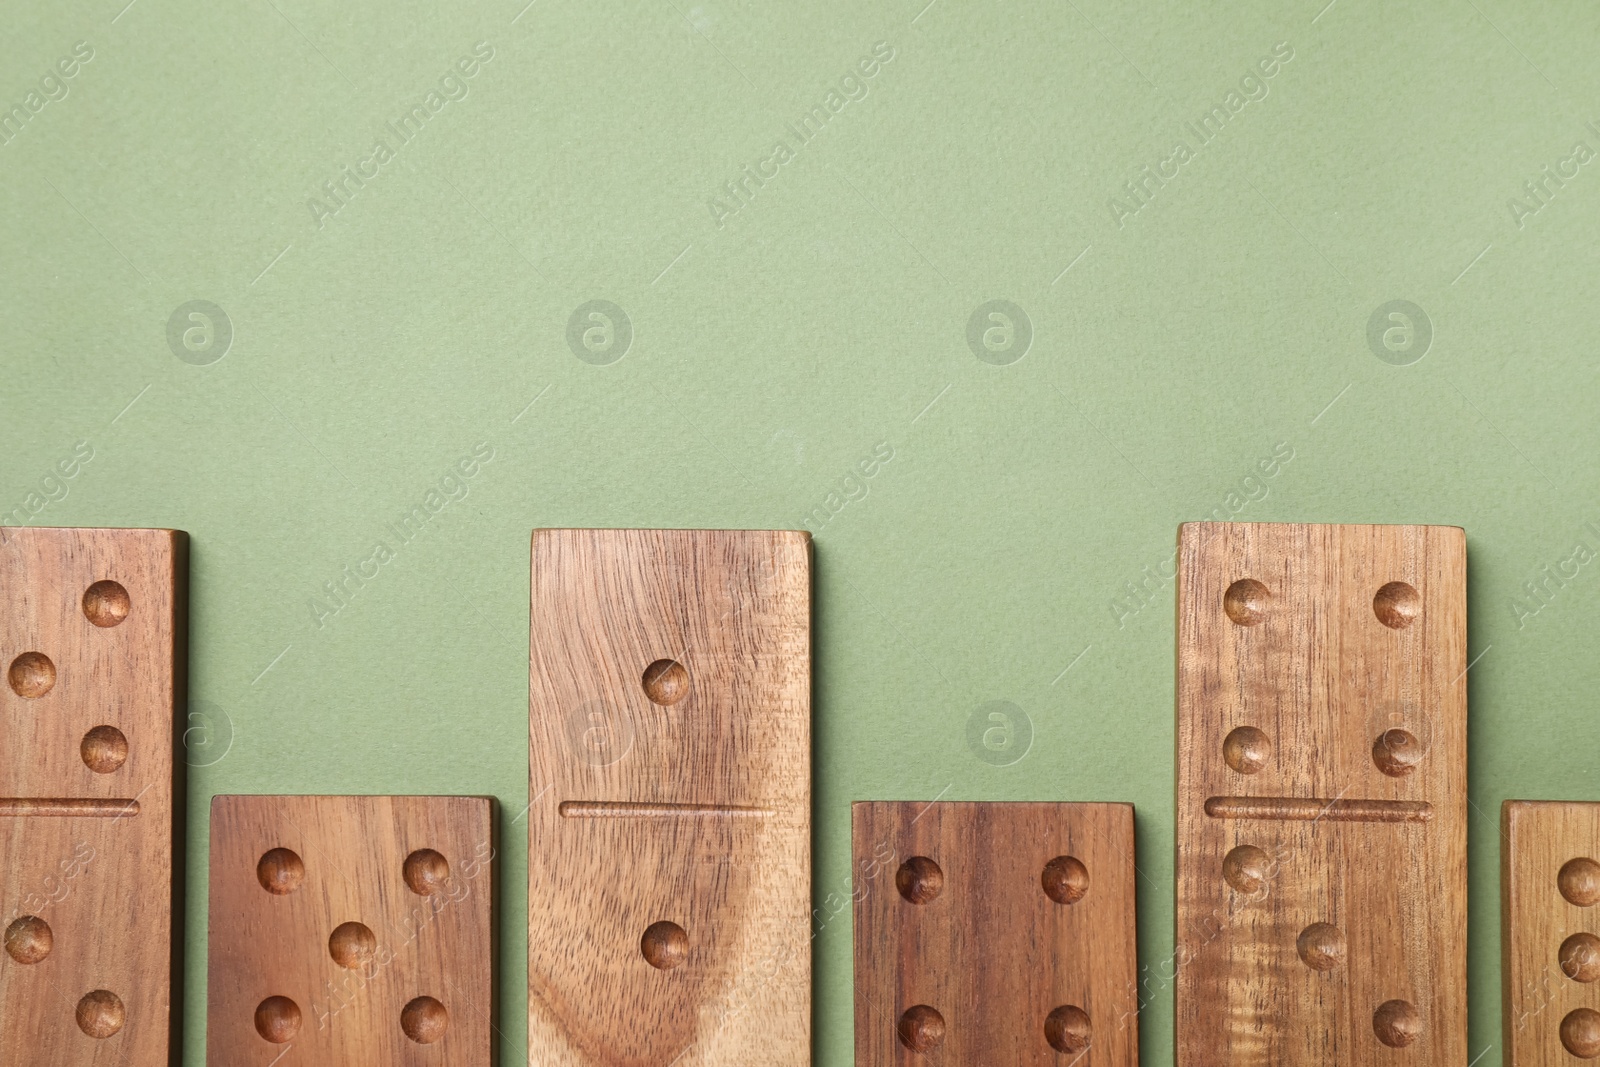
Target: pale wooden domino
{"x": 92, "y": 643}
{"x": 351, "y": 930}
{"x": 994, "y": 933}
{"x": 1322, "y": 787}
{"x": 669, "y": 864}
{"x": 1549, "y": 922}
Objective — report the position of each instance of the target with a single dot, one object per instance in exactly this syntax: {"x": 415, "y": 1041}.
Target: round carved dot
{"x": 101, "y": 1014}
{"x": 919, "y": 879}
{"x": 278, "y": 1019}
{"x": 921, "y": 1028}
{"x": 1321, "y": 946}
{"x": 104, "y": 749}
{"x": 1579, "y": 881}
{"x": 106, "y": 603}
{"x": 1397, "y": 752}
{"x": 32, "y": 675}
{"x": 1067, "y": 1029}
{"x": 664, "y": 945}
{"x": 1246, "y": 602}
{"x": 1580, "y": 957}
{"x": 29, "y": 939}
{"x": 1580, "y": 1033}
{"x": 426, "y": 872}
{"x": 666, "y": 682}
{"x": 1246, "y": 749}
{"x": 351, "y": 945}
{"x": 424, "y": 1020}
{"x": 1247, "y": 869}
{"x": 1065, "y": 879}
{"x": 1396, "y": 1023}
{"x": 280, "y": 872}
{"x": 1397, "y": 605}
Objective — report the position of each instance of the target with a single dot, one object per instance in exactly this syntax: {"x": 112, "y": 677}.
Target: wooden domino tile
{"x": 351, "y": 930}
{"x": 1549, "y": 922}
{"x": 669, "y": 862}
{"x": 92, "y": 641}
{"x": 1322, "y": 882}
{"x": 994, "y": 933}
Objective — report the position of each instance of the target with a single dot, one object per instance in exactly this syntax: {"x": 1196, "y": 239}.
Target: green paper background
{"x": 774, "y": 348}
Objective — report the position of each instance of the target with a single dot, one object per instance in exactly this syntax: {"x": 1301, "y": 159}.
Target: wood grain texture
{"x": 669, "y": 871}
{"x": 1550, "y": 932}
{"x": 1321, "y": 667}
{"x": 999, "y": 934}
{"x": 351, "y": 930}
{"x": 90, "y": 795}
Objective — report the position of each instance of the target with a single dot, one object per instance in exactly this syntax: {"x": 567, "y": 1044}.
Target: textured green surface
{"x": 778, "y": 342}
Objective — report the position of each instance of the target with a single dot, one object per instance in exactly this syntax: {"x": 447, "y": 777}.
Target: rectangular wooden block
{"x": 999, "y": 934}
{"x": 669, "y": 862}
{"x": 1322, "y": 882}
{"x": 351, "y": 930}
{"x": 92, "y": 642}
{"x": 1549, "y": 922}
